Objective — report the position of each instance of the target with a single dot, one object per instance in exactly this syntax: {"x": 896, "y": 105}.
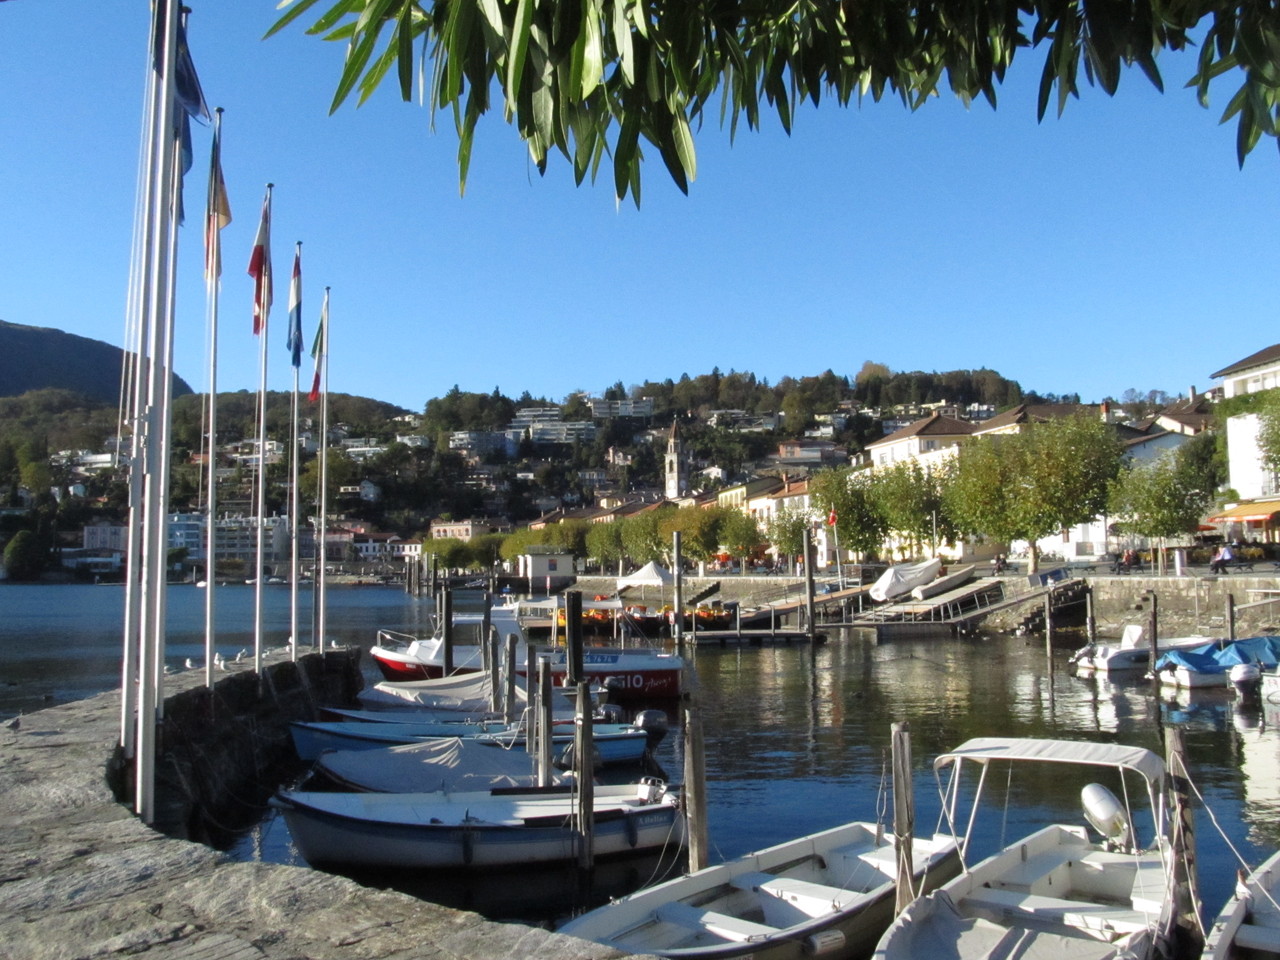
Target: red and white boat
{"x": 627, "y": 672}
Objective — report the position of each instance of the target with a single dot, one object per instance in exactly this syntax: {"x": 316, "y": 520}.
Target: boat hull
{"x": 831, "y": 893}
{"x": 468, "y": 835}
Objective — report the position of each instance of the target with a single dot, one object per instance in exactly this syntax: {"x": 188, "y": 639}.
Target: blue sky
{"x": 1116, "y": 247}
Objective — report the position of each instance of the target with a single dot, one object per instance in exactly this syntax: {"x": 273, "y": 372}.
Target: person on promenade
{"x": 1221, "y": 558}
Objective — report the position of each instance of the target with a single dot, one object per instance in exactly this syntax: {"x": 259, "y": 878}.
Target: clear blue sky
{"x": 1116, "y": 247}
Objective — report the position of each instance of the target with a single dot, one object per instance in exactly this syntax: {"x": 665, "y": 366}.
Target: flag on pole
{"x": 260, "y": 267}
{"x": 295, "y": 309}
{"x": 320, "y": 348}
{"x": 831, "y": 518}
{"x": 218, "y": 208}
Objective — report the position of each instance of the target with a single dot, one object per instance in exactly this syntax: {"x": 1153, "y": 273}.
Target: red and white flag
{"x": 260, "y": 267}
{"x": 831, "y": 518}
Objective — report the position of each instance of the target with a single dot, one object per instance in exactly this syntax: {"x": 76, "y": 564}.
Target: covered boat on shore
{"x": 903, "y": 578}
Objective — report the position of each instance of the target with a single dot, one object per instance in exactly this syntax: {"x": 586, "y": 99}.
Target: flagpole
{"x": 217, "y": 215}
{"x": 322, "y": 381}
{"x": 295, "y": 348}
{"x": 262, "y": 311}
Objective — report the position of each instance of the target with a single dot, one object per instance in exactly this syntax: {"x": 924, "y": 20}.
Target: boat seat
{"x": 1122, "y": 876}
{"x": 812, "y": 899}
{"x": 719, "y": 924}
{"x": 1045, "y": 873}
{"x": 1250, "y": 936}
{"x": 854, "y": 864}
{"x": 1096, "y": 917}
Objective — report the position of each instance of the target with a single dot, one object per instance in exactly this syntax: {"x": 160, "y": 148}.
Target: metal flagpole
{"x": 217, "y": 216}
{"x": 322, "y": 369}
{"x": 295, "y": 348}
{"x": 262, "y": 308}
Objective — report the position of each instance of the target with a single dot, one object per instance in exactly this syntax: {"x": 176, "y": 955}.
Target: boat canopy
{"x": 984, "y": 749}
{"x": 1215, "y": 657}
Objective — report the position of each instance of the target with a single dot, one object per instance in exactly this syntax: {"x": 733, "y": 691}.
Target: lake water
{"x": 796, "y": 737}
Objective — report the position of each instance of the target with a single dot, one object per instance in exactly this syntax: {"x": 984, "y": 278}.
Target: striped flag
{"x": 218, "y": 208}
{"x": 295, "y": 309}
{"x": 260, "y": 267}
{"x": 320, "y": 347}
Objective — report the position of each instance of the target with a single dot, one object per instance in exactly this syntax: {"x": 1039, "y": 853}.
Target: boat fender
{"x": 633, "y": 832}
{"x": 1106, "y": 814}
{"x": 654, "y": 723}
{"x": 824, "y": 942}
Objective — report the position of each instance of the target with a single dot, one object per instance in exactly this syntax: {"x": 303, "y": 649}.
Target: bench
{"x": 1041, "y": 873}
{"x": 719, "y": 924}
{"x": 812, "y": 899}
{"x": 1100, "y": 918}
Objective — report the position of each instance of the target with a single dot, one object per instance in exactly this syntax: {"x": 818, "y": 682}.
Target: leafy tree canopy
{"x": 592, "y": 79}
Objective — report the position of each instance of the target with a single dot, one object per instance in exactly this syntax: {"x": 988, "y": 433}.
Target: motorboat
{"x": 1060, "y": 892}
{"x": 1132, "y": 653}
{"x": 451, "y": 764}
{"x": 477, "y": 829}
{"x": 828, "y": 893}
{"x": 1249, "y": 924}
{"x": 1210, "y": 664}
{"x": 613, "y": 742}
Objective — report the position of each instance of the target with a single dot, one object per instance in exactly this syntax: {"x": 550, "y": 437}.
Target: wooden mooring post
{"x": 677, "y": 625}
{"x": 904, "y": 814}
{"x": 1153, "y": 632}
{"x": 446, "y": 628}
{"x": 809, "y": 609}
{"x": 1180, "y": 924}
{"x": 1231, "y": 616}
{"x": 583, "y": 747}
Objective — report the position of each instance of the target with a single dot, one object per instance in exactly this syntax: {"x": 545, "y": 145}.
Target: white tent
{"x": 650, "y": 575}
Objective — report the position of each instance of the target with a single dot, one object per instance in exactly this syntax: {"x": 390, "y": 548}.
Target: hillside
{"x": 41, "y": 358}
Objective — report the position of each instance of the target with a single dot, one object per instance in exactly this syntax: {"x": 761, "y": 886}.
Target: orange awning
{"x": 1249, "y": 511}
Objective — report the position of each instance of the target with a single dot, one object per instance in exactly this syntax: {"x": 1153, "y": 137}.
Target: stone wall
{"x": 83, "y": 877}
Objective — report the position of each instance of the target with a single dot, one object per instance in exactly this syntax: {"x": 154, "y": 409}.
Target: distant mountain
{"x": 39, "y": 358}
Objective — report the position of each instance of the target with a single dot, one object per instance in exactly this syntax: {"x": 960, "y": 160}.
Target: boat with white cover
{"x": 1248, "y": 928}
{"x": 903, "y": 578}
{"x": 1056, "y": 894}
{"x": 612, "y": 742}
{"x": 829, "y": 893}
{"x": 451, "y": 764}
{"x": 475, "y": 830}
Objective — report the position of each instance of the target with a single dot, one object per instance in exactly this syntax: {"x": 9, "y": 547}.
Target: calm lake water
{"x": 796, "y": 738}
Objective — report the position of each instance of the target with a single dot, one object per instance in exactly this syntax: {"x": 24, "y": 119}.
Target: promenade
{"x": 82, "y": 877}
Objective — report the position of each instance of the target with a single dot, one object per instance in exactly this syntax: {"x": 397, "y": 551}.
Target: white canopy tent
{"x": 650, "y": 575}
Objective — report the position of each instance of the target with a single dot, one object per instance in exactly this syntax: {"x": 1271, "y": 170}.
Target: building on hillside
{"x": 923, "y": 440}
{"x": 809, "y": 453}
{"x": 612, "y": 409}
{"x": 544, "y": 564}
{"x": 365, "y": 490}
{"x": 1256, "y": 372}
{"x": 109, "y": 536}
{"x": 467, "y": 529}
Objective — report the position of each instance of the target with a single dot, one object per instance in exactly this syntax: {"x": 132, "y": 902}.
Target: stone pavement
{"x": 82, "y": 877}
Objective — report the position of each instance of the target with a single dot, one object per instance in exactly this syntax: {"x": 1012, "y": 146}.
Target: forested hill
{"x": 40, "y": 358}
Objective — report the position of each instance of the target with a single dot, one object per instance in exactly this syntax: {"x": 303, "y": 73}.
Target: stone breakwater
{"x": 82, "y": 877}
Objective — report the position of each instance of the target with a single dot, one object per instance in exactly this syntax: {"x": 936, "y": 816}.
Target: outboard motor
{"x": 1247, "y": 679}
{"x": 1107, "y": 815}
{"x": 654, "y": 723}
{"x": 611, "y": 713}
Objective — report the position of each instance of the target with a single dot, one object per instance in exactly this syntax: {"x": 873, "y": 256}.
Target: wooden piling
{"x": 446, "y": 626}
{"x": 695, "y": 776}
{"x": 543, "y": 722}
{"x": 1181, "y": 925}
{"x": 904, "y": 814}
{"x": 1231, "y": 616}
{"x": 582, "y": 741}
{"x": 677, "y": 625}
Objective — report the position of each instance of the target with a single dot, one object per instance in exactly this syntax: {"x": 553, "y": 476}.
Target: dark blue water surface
{"x": 796, "y": 737}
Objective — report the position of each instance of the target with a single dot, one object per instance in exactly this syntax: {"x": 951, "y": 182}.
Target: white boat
{"x": 464, "y": 693}
{"x": 903, "y": 578}
{"x": 1209, "y": 665}
{"x": 613, "y": 742}
{"x": 948, "y": 581}
{"x": 830, "y": 892}
{"x": 1132, "y": 653}
{"x": 1056, "y": 893}
{"x": 450, "y": 764}
{"x": 1249, "y": 924}
{"x": 475, "y": 830}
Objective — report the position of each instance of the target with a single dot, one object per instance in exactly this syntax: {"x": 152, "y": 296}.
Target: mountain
{"x": 39, "y": 358}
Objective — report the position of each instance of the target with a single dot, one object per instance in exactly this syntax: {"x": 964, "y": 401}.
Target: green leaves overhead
{"x": 590, "y": 77}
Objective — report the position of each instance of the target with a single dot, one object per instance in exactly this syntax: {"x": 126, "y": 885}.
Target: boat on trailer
{"x": 1056, "y": 893}
{"x": 829, "y": 893}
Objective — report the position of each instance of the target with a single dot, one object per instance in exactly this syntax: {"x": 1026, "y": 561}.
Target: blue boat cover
{"x": 1210, "y": 658}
